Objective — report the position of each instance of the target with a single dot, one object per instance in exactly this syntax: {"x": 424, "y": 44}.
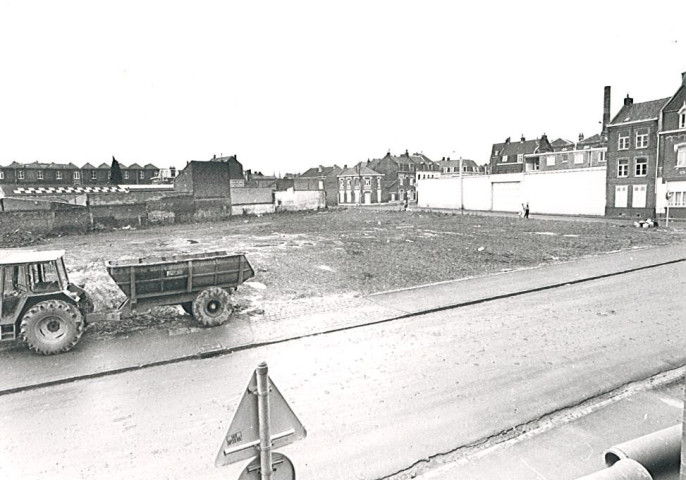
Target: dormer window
{"x": 682, "y": 116}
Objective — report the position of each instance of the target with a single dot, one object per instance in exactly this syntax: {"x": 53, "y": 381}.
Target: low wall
{"x": 444, "y": 192}
{"x": 254, "y": 209}
{"x": 251, "y": 195}
{"x": 293, "y": 200}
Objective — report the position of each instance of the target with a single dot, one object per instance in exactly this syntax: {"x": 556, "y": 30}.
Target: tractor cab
{"x": 29, "y": 279}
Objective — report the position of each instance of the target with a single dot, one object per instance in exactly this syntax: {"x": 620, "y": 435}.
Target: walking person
{"x": 526, "y": 210}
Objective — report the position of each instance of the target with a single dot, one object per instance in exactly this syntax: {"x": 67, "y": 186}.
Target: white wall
{"x": 300, "y": 199}
{"x": 252, "y": 209}
{"x": 565, "y": 192}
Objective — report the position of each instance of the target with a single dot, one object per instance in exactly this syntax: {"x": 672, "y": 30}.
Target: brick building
{"x": 57, "y": 174}
{"x": 399, "y": 174}
{"x": 320, "y": 178}
{"x": 632, "y": 159}
{"x": 508, "y": 156}
{"x": 672, "y": 154}
{"x": 360, "y": 184}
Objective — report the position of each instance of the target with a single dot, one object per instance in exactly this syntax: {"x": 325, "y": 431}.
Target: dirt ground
{"x": 311, "y": 257}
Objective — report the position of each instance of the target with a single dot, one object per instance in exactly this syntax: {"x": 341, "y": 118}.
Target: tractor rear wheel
{"x": 212, "y": 306}
{"x": 52, "y": 326}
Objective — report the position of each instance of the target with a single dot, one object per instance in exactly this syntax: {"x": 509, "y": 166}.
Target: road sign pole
{"x": 263, "y": 420}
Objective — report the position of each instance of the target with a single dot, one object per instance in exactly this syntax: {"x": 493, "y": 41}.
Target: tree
{"x": 115, "y": 173}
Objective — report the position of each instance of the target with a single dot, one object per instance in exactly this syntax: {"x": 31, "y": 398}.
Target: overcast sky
{"x": 287, "y": 85}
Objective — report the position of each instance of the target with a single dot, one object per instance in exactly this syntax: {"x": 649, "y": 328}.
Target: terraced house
{"x": 632, "y": 159}
{"x": 56, "y": 174}
{"x": 671, "y": 185}
{"x": 359, "y": 184}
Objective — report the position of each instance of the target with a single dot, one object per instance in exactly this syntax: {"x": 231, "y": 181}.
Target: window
{"x": 678, "y": 199}
{"x": 638, "y": 199}
{"x": 504, "y": 158}
{"x": 681, "y": 156}
{"x": 141, "y": 175}
{"x": 39, "y": 174}
{"x": 20, "y": 174}
{"x": 565, "y": 157}
{"x": 578, "y": 158}
{"x": 520, "y": 158}
{"x": 94, "y": 175}
{"x": 77, "y": 175}
{"x": 367, "y": 182}
{"x": 126, "y": 175}
{"x": 642, "y": 139}
{"x": 602, "y": 157}
{"x": 2, "y": 175}
{"x": 682, "y": 116}
{"x": 402, "y": 181}
{"x": 620, "y": 196}
{"x": 320, "y": 185}
{"x": 623, "y": 142}
{"x": 58, "y": 175}
{"x": 495, "y": 153}
{"x": 550, "y": 160}
{"x": 641, "y": 167}
{"x": 623, "y": 167}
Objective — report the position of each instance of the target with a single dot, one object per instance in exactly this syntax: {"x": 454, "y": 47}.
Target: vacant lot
{"x": 306, "y": 256}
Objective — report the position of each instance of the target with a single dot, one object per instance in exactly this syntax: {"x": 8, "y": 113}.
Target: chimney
{"x": 507, "y": 140}
{"x": 628, "y": 100}
{"x": 523, "y": 139}
{"x": 345, "y": 167}
{"x": 407, "y": 154}
{"x": 319, "y": 169}
{"x": 606, "y": 109}
{"x": 581, "y": 137}
{"x": 683, "y": 79}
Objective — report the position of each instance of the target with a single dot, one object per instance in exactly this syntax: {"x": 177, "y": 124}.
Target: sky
{"x": 289, "y": 85}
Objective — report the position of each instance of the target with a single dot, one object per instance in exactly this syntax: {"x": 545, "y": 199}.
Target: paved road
{"x": 374, "y": 399}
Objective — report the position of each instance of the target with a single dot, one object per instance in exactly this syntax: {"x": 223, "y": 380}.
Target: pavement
{"x": 641, "y": 412}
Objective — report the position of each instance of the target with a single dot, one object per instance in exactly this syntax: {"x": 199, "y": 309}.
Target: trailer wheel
{"x": 212, "y": 306}
{"x": 52, "y": 326}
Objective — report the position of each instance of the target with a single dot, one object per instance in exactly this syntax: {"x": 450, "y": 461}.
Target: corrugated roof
{"x": 639, "y": 111}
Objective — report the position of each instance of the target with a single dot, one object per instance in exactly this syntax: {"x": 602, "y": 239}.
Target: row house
{"x": 322, "y": 179}
{"x": 672, "y": 154}
{"x": 55, "y": 174}
{"x": 448, "y": 167}
{"x": 399, "y": 174}
{"x": 509, "y": 157}
{"x": 565, "y": 155}
{"x": 359, "y": 184}
{"x": 632, "y": 159}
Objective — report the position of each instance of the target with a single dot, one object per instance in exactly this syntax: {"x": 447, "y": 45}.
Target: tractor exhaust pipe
{"x": 625, "y": 469}
{"x": 659, "y": 452}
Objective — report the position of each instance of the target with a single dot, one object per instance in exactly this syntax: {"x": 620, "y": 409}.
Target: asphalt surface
{"x": 21, "y": 369}
{"x": 375, "y": 399}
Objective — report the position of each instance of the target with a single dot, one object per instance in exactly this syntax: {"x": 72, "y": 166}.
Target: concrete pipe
{"x": 658, "y": 452}
{"x": 625, "y": 469}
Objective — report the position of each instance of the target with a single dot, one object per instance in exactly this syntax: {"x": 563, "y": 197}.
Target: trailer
{"x": 201, "y": 283}
{"x": 39, "y": 305}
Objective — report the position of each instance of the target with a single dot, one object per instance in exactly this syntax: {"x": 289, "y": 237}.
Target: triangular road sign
{"x": 242, "y": 441}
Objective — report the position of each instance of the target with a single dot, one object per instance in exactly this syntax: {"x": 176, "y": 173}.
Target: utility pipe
{"x": 625, "y": 469}
{"x": 659, "y": 452}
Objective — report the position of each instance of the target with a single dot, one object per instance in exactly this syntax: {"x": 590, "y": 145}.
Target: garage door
{"x": 506, "y": 197}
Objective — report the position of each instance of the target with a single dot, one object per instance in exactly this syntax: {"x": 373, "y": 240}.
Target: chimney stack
{"x": 628, "y": 100}
{"x": 606, "y": 109}
{"x": 683, "y": 79}
{"x": 581, "y": 137}
{"x": 523, "y": 139}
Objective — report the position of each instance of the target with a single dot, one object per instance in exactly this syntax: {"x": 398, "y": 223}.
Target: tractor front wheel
{"x": 212, "y": 306}
{"x": 52, "y": 326}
